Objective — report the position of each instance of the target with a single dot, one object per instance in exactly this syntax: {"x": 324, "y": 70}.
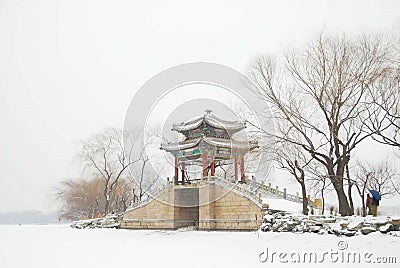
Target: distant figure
{"x": 375, "y": 204}
{"x": 368, "y": 203}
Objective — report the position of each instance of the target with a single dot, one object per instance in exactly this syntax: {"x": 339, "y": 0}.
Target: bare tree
{"x": 384, "y": 179}
{"x": 384, "y": 118}
{"x": 320, "y": 99}
{"x": 122, "y": 196}
{"x": 318, "y": 181}
{"x": 84, "y": 198}
{"x": 362, "y": 177}
{"x": 380, "y": 177}
{"x": 292, "y": 159}
{"x": 104, "y": 154}
{"x": 145, "y": 178}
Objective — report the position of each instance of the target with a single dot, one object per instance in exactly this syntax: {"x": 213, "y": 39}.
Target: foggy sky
{"x": 70, "y": 68}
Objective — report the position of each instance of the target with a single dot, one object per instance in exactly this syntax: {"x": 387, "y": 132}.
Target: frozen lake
{"x": 61, "y": 246}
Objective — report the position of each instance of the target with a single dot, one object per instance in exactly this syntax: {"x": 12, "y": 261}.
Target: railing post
{"x": 284, "y": 193}
{"x": 277, "y": 190}
{"x": 269, "y": 187}
{"x": 297, "y": 197}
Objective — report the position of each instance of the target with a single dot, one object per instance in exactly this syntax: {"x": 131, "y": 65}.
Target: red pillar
{"x": 212, "y": 165}
{"x": 176, "y": 171}
{"x": 242, "y": 175}
{"x": 236, "y": 169}
{"x": 183, "y": 173}
{"x": 205, "y": 164}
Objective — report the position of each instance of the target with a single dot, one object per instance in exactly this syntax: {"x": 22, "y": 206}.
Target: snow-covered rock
{"x": 110, "y": 221}
{"x": 395, "y": 218}
{"x": 348, "y": 233}
{"x": 367, "y": 230}
{"x": 315, "y": 229}
{"x": 268, "y": 218}
{"x": 386, "y": 228}
{"x": 355, "y": 225}
{"x": 338, "y": 225}
{"x": 394, "y": 233}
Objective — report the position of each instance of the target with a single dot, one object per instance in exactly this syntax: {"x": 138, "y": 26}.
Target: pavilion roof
{"x": 210, "y": 119}
{"x": 213, "y": 141}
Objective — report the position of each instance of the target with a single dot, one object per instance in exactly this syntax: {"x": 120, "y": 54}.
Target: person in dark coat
{"x": 375, "y": 204}
{"x": 368, "y": 204}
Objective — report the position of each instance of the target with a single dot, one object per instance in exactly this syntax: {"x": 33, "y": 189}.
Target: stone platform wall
{"x": 227, "y": 210}
{"x": 208, "y": 207}
{"x": 153, "y": 215}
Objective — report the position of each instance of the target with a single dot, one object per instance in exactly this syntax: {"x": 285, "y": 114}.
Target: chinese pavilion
{"x": 209, "y": 143}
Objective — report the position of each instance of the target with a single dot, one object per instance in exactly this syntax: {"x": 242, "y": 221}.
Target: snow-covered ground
{"x": 282, "y": 204}
{"x": 61, "y": 246}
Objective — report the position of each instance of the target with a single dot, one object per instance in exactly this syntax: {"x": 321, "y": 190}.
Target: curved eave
{"x": 232, "y": 144}
{"x": 225, "y": 125}
{"x": 215, "y": 142}
{"x": 177, "y": 146}
{"x": 232, "y": 126}
{"x": 193, "y": 124}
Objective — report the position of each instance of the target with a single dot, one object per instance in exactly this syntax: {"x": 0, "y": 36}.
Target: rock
{"x": 394, "y": 233}
{"x": 381, "y": 221}
{"x": 372, "y": 225}
{"x": 297, "y": 219}
{"x": 265, "y": 227}
{"x": 287, "y": 222}
{"x": 268, "y": 218}
{"x": 344, "y": 224}
{"x": 367, "y": 230}
{"x": 110, "y": 221}
{"x": 324, "y": 231}
{"x": 355, "y": 225}
{"x": 386, "y": 228}
{"x": 291, "y": 223}
{"x": 315, "y": 229}
{"x": 348, "y": 233}
{"x": 327, "y": 220}
{"x": 277, "y": 226}
{"x": 298, "y": 229}
{"x": 330, "y": 230}
{"x": 309, "y": 222}
{"x": 395, "y": 223}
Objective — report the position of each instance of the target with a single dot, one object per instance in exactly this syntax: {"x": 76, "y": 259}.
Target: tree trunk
{"x": 337, "y": 181}
{"x": 304, "y": 195}
{"x": 364, "y": 209}
{"x": 323, "y": 197}
{"x": 107, "y": 203}
{"x": 351, "y": 204}
{"x": 344, "y": 207}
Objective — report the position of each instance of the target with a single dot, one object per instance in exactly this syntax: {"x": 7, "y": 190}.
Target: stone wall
{"x": 156, "y": 214}
{"x": 220, "y": 209}
{"x": 228, "y": 211}
{"x": 186, "y": 210}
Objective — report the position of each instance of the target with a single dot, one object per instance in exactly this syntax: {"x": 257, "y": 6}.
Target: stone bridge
{"x": 212, "y": 204}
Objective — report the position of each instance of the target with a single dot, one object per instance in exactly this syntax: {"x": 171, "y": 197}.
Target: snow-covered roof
{"x": 211, "y": 120}
{"x": 183, "y": 145}
{"x": 217, "y": 142}
{"x": 240, "y": 145}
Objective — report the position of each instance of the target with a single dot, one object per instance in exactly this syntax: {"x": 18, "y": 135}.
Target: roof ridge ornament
{"x": 207, "y": 112}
